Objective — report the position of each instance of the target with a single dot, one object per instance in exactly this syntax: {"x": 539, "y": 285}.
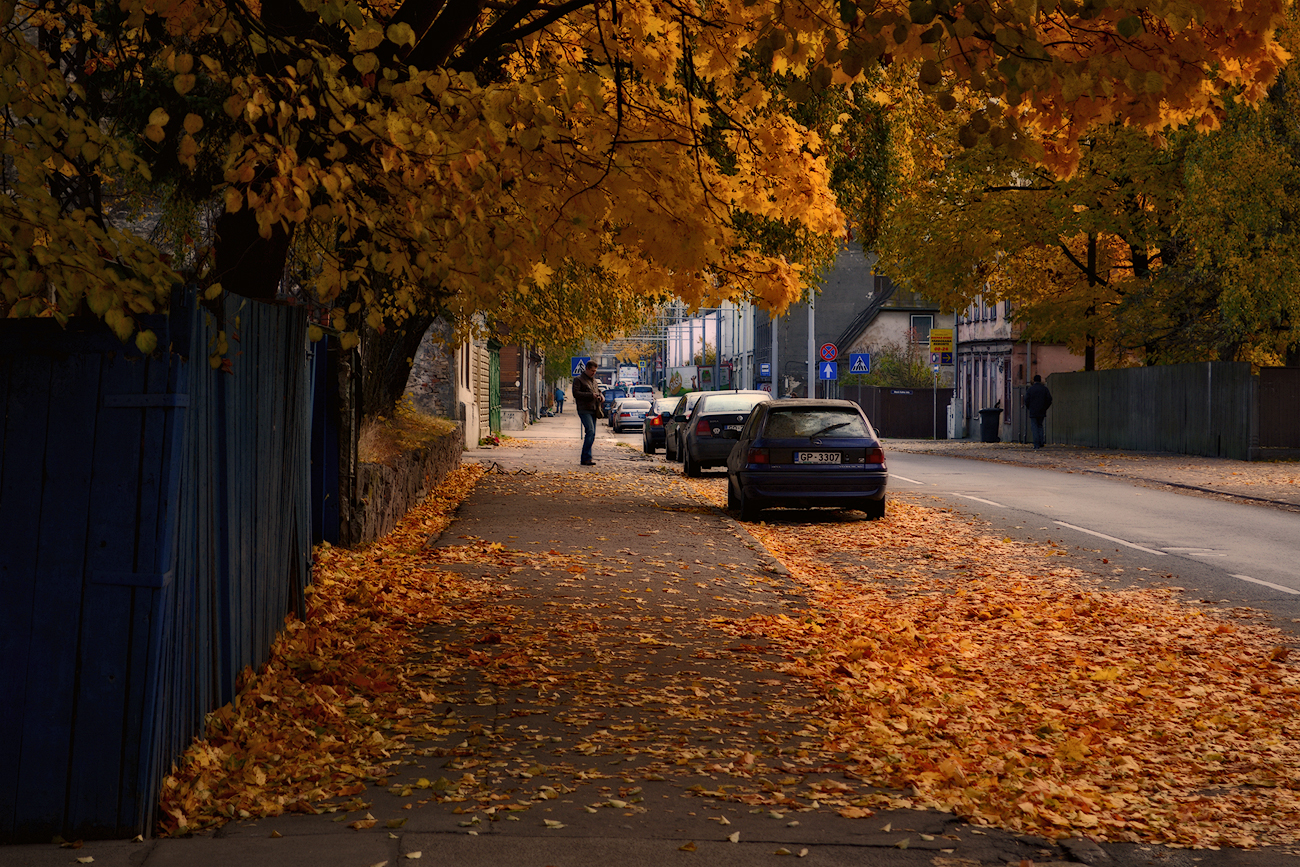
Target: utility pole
{"x": 717, "y": 352}
{"x": 812, "y": 348}
{"x": 775, "y": 368}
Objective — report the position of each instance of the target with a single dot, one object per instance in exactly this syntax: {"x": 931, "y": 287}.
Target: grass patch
{"x": 384, "y": 439}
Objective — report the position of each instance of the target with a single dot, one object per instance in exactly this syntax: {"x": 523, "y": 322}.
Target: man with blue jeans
{"x": 587, "y": 400}
{"x": 1037, "y": 400}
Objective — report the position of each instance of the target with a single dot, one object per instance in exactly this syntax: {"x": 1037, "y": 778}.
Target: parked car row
{"x": 791, "y": 452}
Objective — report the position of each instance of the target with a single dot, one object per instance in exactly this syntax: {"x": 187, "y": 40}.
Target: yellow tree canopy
{"x": 467, "y": 157}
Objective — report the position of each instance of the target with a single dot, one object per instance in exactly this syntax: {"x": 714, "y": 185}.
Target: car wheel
{"x": 748, "y": 508}
{"x": 647, "y": 446}
{"x": 689, "y": 467}
{"x": 875, "y": 509}
{"x": 733, "y": 502}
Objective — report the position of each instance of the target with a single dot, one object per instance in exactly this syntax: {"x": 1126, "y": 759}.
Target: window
{"x": 921, "y": 325}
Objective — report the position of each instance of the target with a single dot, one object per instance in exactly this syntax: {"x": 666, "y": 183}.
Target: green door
{"x": 494, "y": 387}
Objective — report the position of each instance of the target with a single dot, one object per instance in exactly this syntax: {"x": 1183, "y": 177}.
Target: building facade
{"x": 994, "y": 364}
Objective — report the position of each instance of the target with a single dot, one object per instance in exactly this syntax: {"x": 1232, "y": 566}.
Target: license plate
{"x": 816, "y": 457}
{"x": 734, "y": 426}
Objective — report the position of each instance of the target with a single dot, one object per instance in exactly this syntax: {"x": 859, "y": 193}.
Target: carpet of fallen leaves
{"x": 333, "y": 706}
{"x": 1017, "y": 693}
{"x": 941, "y": 666}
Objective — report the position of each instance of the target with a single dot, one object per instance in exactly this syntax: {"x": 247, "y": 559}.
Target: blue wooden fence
{"x": 155, "y": 529}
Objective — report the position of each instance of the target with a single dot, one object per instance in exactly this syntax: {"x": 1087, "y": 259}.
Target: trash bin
{"x": 989, "y": 421}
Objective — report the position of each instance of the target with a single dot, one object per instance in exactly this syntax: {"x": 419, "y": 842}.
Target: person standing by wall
{"x": 1037, "y": 400}
{"x": 559, "y": 399}
{"x": 587, "y": 400}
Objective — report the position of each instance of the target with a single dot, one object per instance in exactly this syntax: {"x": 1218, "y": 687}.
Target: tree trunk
{"x": 386, "y": 364}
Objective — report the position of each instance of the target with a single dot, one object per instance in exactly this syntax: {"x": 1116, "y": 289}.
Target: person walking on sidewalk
{"x": 1037, "y": 400}
{"x": 559, "y": 400}
{"x": 587, "y": 400}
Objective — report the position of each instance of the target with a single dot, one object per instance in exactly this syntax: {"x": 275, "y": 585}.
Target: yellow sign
{"x": 941, "y": 340}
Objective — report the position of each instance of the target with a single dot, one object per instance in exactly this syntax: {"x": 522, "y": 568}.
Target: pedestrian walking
{"x": 1037, "y": 400}
{"x": 559, "y": 399}
{"x": 588, "y": 401}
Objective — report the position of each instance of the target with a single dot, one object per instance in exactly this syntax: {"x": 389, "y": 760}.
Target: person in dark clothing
{"x": 559, "y": 399}
{"x": 1037, "y": 400}
{"x": 587, "y": 400}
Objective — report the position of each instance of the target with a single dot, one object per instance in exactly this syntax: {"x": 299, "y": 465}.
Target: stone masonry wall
{"x": 386, "y": 493}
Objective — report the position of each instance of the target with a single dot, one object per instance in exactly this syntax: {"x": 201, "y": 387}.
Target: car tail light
{"x": 758, "y": 456}
{"x": 703, "y": 428}
{"x": 656, "y": 421}
{"x": 876, "y": 456}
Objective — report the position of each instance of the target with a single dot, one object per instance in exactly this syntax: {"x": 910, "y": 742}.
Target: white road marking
{"x": 905, "y": 479}
{"x": 1290, "y": 590}
{"x": 1113, "y": 539}
{"x": 980, "y": 500}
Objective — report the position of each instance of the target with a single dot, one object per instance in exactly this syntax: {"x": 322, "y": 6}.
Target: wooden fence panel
{"x": 154, "y": 532}
{"x": 1279, "y": 407}
{"x": 1200, "y": 409}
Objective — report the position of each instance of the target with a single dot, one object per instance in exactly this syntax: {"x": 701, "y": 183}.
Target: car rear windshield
{"x": 733, "y": 402}
{"x": 790, "y": 423}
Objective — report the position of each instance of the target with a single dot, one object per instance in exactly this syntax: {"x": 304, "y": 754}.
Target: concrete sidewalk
{"x": 656, "y": 736}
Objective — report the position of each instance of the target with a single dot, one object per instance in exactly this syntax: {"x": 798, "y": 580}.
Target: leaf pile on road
{"x": 996, "y": 683}
{"x": 327, "y": 713}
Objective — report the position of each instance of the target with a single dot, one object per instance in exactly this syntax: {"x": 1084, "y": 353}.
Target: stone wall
{"x": 386, "y": 493}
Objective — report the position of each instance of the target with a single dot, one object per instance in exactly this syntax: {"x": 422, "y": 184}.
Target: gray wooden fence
{"x": 1206, "y": 408}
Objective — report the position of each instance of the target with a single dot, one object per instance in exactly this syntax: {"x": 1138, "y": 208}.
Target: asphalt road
{"x": 1222, "y": 553}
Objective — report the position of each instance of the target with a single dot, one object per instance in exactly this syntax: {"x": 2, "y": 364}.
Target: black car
{"x": 652, "y": 436}
{"x": 673, "y": 424}
{"x": 802, "y": 452}
{"x": 703, "y": 443}
{"x": 611, "y": 395}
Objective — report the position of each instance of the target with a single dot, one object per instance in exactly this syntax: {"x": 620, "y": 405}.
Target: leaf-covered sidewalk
{"x": 612, "y": 642}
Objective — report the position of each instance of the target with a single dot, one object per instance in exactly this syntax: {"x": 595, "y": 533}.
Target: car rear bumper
{"x": 820, "y": 486}
{"x": 711, "y": 452}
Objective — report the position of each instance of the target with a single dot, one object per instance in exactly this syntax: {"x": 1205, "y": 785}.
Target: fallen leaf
{"x": 734, "y": 837}
{"x": 689, "y": 847}
{"x": 413, "y": 855}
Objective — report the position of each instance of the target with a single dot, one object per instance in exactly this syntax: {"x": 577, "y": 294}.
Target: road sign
{"x": 859, "y": 362}
{"x": 765, "y": 368}
{"x": 944, "y": 358}
{"x": 578, "y": 363}
{"x": 941, "y": 342}
{"x": 829, "y": 352}
{"x": 828, "y": 370}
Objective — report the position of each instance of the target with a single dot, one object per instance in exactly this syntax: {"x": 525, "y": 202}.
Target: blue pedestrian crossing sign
{"x": 828, "y": 370}
{"x": 579, "y": 363}
{"x": 859, "y": 362}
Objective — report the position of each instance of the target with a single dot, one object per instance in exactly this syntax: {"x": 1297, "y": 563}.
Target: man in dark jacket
{"x": 1037, "y": 400}
{"x": 587, "y": 400}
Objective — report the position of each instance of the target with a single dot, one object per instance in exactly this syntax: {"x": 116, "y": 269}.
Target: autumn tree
{"x": 395, "y": 161}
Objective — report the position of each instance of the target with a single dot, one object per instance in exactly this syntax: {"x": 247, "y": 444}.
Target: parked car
{"x": 643, "y": 392}
{"x": 613, "y": 409}
{"x": 652, "y": 436}
{"x": 611, "y": 395}
{"x": 629, "y": 413}
{"x": 801, "y": 452}
{"x": 673, "y": 424}
{"x": 702, "y": 442}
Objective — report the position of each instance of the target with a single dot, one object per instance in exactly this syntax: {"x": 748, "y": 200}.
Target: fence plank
{"x": 26, "y": 388}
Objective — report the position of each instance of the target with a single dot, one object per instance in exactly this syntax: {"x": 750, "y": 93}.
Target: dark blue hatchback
{"x": 806, "y": 453}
